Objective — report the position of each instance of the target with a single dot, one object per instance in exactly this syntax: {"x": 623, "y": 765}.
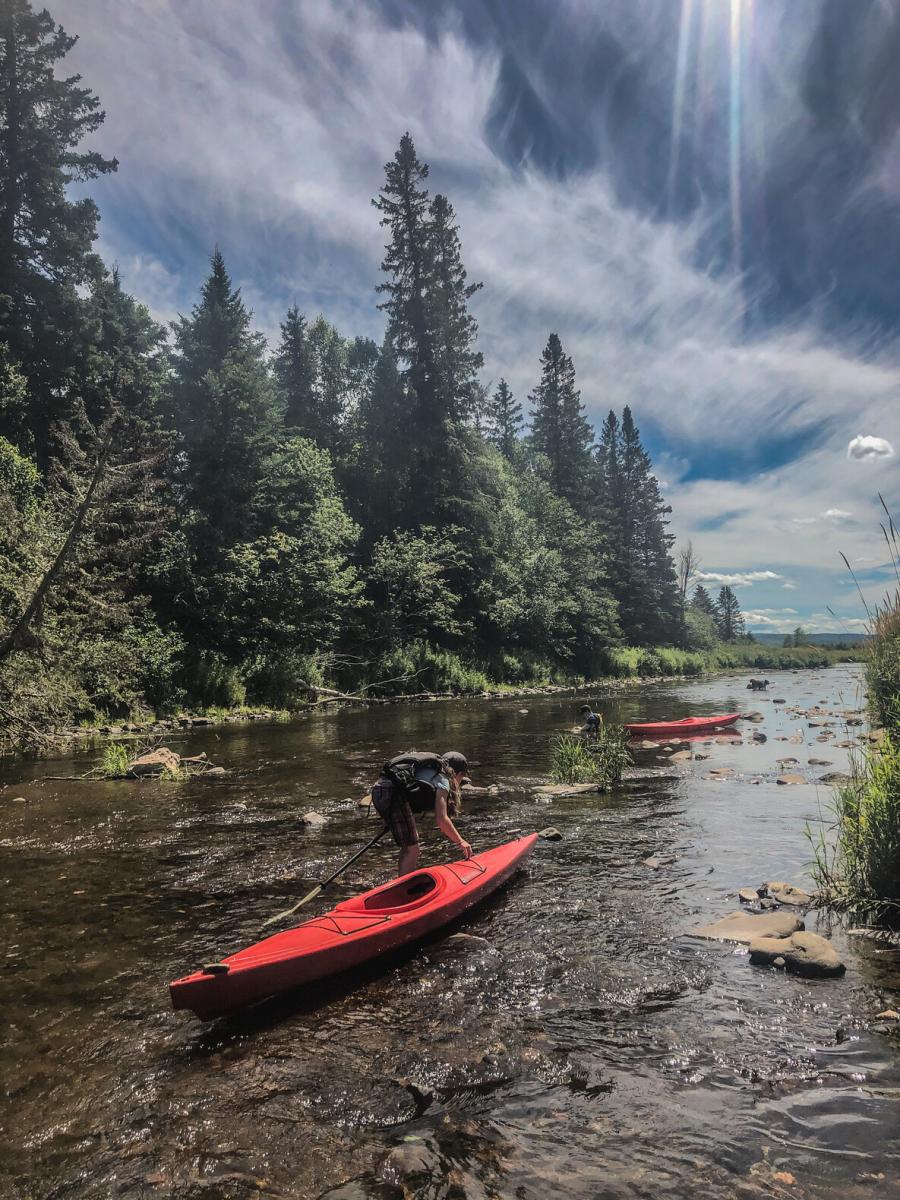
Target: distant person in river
{"x": 414, "y": 783}
{"x": 592, "y": 722}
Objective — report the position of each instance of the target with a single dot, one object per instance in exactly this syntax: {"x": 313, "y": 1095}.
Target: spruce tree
{"x": 45, "y": 236}
{"x": 223, "y": 406}
{"x": 504, "y": 418}
{"x": 703, "y": 602}
{"x": 642, "y": 573}
{"x": 729, "y": 618}
{"x": 293, "y": 370}
{"x": 560, "y": 431}
{"x": 455, "y": 329}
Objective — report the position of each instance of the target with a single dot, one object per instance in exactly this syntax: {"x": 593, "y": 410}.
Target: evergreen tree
{"x": 403, "y": 204}
{"x": 559, "y": 429}
{"x": 642, "y": 573}
{"x": 432, "y": 333}
{"x": 223, "y": 406}
{"x": 504, "y": 417}
{"x": 45, "y": 236}
{"x": 729, "y": 618}
{"x": 455, "y": 329}
{"x": 330, "y": 381}
{"x": 703, "y": 602}
{"x": 293, "y": 370}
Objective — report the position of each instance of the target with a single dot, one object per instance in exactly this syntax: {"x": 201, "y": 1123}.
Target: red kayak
{"x": 354, "y": 932}
{"x": 690, "y": 725}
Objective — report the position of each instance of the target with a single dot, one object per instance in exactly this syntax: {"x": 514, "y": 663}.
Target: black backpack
{"x": 401, "y": 771}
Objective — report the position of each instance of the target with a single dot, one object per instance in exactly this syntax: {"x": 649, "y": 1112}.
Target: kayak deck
{"x": 353, "y": 933}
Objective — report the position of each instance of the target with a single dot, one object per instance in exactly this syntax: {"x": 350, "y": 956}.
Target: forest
{"x": 190, "y": 516}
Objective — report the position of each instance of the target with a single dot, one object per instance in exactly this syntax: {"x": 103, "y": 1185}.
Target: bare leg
{"x": 409, "y": 859}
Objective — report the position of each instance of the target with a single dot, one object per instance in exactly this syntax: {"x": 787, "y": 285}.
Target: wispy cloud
{"x": 736, "y": 578}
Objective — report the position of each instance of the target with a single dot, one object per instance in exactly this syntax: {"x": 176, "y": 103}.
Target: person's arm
{"x": 446, "y": 826}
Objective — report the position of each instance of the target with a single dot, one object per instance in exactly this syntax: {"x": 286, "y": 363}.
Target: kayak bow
{"x": 352, "y": 933}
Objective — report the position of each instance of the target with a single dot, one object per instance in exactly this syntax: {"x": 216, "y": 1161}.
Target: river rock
{"x": 154, "y": 762}
{"x": 789, "y": 779}
{"x": 756, "y": 717}
{"x": 819, "y": 762}
{"x": 747, "y": 927}
{"x": 565, "y": 789}
{"x": 215, "y": 773}
{"x": 782, "y": 761}
{"x": 313, "y": 819}
{"x": 681, "y": 756}
{"x": 778, "y": 702}
{"x": 364, "y": 801}
{"x": 786, "y": 893}
{"x": 802, "y": 953}
{"x": 889, "y": 1014}
{"x": 748, "y": 896}
{"x": 659, "y": 860}
{"x": 834, "y": 777}
{"x": 756, "y": 736}
{"x": 550, "y": 834}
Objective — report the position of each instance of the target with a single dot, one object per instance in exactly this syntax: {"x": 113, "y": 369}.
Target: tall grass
{"x": 861, "y": 873}
{"x": 575, "y": 760}
{"x": 116, "y": 759}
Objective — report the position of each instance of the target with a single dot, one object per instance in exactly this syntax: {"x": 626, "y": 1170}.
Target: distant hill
{"x": 813, "y": 639}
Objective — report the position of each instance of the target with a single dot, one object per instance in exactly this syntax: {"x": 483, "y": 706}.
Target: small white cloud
{"x": 737, "y": 578}
{"x": 835, "y": 514}
{"x": 805, "y": 520}
{"x": 868, "y": 447}
{"x": 790, "y": 586}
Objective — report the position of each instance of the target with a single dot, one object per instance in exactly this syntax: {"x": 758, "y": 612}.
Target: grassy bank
{"x": 220, "y": 694}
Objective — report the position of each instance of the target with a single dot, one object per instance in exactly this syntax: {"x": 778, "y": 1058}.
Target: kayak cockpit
{"x": 401, "y": 895}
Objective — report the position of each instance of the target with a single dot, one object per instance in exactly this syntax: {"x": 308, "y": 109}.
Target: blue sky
{"x": 700, "y": 196}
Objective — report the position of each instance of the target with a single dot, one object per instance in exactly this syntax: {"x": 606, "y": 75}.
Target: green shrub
{"x": 212, "y": 682}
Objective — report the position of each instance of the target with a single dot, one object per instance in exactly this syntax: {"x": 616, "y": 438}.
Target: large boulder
{"x": 802, "y": 953}
{"x": 154, "y": 762}
{"x": 748, "y": 927}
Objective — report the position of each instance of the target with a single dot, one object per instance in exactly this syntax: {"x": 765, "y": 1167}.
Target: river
{"x": 585, "y": 1048}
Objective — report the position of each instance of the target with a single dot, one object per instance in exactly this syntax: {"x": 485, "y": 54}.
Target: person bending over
{"x": 414, "y": 783}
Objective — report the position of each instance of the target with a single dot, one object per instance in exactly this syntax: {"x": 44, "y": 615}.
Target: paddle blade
{"x": 289, "y": 912}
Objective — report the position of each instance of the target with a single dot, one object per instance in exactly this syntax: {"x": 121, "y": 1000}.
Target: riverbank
{"x": 627, "y": 667}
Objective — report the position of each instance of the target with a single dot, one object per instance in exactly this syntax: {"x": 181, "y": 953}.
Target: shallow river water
{"x": 586, "y": 1048}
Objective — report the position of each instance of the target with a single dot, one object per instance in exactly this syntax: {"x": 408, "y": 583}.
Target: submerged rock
{"x": 748, "y": 896}
{"x": 790, "y": 779}
{"x": 550, "y": 834}
{"x": 802, "y": 953}
{"x": 313, "y": 819}
{"x": 659, "y": 860}
{"x": 748, "y": 927}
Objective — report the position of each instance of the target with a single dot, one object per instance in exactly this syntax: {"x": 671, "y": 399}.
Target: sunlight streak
{"x": 681, "y": 68}
{"x": 734, "y": 131}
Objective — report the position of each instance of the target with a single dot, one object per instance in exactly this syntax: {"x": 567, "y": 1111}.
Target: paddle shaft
{"x": 288, "y": 912}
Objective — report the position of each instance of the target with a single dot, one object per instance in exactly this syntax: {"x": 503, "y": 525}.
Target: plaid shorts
{"x": 396, "y": 814}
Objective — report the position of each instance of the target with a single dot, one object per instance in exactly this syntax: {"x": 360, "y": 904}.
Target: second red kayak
{"x": 690, "y": 725}
{"x": 353, "y": 933}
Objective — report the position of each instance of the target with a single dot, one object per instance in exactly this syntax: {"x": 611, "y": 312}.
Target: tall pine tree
{"x": 729, "y": 618}
{"x": 504, "y": 417}
{"x": 560, "y": 431}
{"x": 224, "y": 408}
{"x": 45, "y": 236}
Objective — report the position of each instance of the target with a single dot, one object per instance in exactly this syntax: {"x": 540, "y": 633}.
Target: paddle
{"x": 289, "y": 912}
